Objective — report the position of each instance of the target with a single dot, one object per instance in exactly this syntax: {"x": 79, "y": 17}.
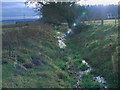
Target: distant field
{"x": 110, "y": 21}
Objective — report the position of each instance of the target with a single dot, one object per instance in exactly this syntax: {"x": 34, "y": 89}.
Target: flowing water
{"x": 61, "y": 38}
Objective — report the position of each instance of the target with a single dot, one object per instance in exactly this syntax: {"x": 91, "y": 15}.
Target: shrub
{"x": 77, "y": 61}
{"x": 29, "y": 65}
{"x": 37, "y": 61}
{"x": 4, "y": 62}
{"x": 65, "y": 58}
{"x": 79, "y": 66}
{"x": 77, "y": 56}
{"x": 21, "y": 59}
{"x": 83, "y": 67}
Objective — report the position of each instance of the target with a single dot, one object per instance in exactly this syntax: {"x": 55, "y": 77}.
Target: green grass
{"x": 77, "y": 63}
{"x": 109, "y": 21}
{"x": 88, "y": 82}
{"x": 36, "y": 46}
{"x": 30, "y": 43}
{"x": 97, "y": 45}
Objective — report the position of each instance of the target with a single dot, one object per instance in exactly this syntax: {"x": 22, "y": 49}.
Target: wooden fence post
{"x": 102, "y": 22}
{"x": 94, "y": 20}
{"x": 115, "y": 21}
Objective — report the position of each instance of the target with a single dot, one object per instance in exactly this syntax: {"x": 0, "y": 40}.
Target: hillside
{"x": 32, "y": 57}
{"x": 98, "y": 45}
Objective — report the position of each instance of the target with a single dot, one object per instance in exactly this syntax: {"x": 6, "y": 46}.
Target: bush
{"x": 77, "y": 61}
{"x": 21, "y": 59}
{"x": 37, "y": 62}
{"x": 79, "y": 66}
{"x": 65, "y": 58}
{"x": 81, "y": 27}
{"x": 77, "y": 56}
{"x": 83, "y": 67}
{"x": 29, "y": 65}
{"x": 4, "y": 62}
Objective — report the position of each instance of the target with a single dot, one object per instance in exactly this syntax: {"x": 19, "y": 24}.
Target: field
{"x": 109, "y": 21}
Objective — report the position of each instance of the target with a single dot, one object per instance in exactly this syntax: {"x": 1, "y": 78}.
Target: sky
{"x": 17, "y": 10}
{"x": 96, "y": 2}
{"x": 13, "y": 0}
{"x": 13, "y": 9}
{"x": 105, "y": 2}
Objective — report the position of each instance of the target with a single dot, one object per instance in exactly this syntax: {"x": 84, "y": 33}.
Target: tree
{"x": 58, "y": 12}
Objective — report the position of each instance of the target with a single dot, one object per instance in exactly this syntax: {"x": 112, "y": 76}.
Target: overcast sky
{"x": 13, "y": 0}
{"x": 11, "y": 10}
{"x": 103, "y": 2}
{"x": 82, "y": 1}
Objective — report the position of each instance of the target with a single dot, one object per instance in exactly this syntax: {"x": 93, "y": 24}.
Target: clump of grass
{"x": 88, "y": 82}
{"x": 77, "y": 63}
{"x": 66, "y": 58}
{"x": 77, "y": 56}
{"x": 83, "y": 67}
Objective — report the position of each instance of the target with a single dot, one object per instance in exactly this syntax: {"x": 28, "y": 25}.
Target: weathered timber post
{"x": 115, "y": 20}
{"x": 102, "y": 22}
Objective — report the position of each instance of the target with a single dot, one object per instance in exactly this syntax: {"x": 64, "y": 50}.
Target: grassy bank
{"x": 40, "y": 61}
{"x": 98, "y": 46}
{"x": 42, "y": 64}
